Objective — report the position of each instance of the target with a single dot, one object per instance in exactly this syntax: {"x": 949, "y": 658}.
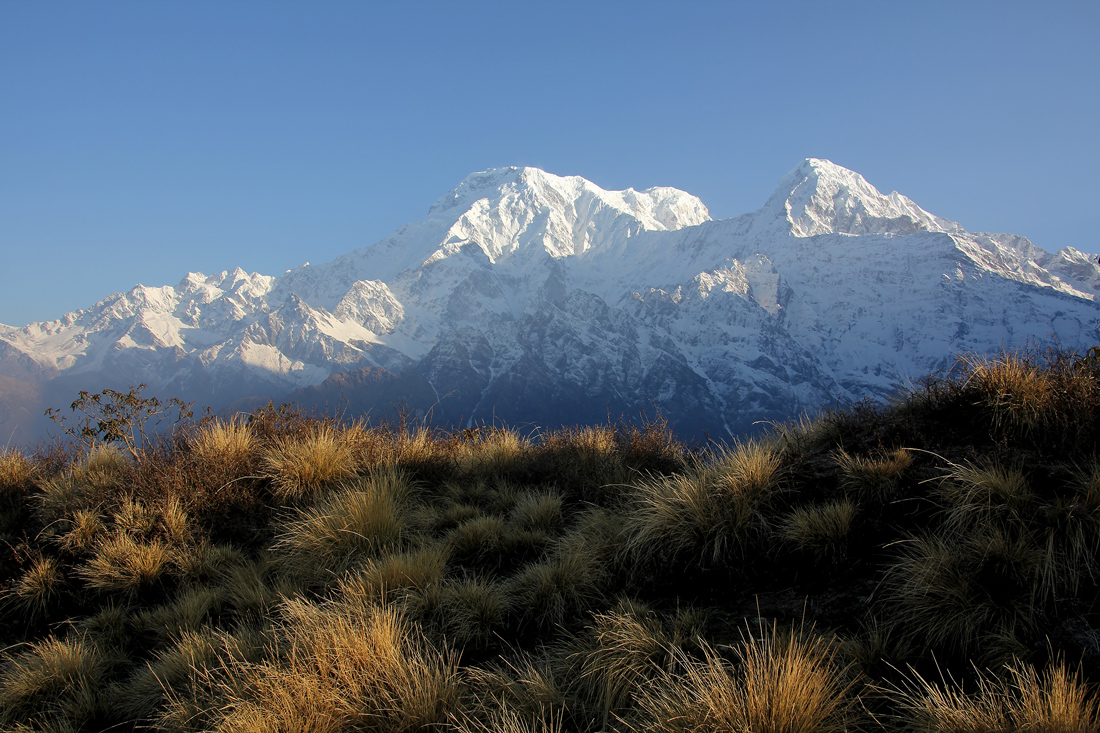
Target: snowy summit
{"x": 531, "y": 298}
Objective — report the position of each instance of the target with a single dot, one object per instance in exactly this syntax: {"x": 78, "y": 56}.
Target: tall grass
{"x": 288, "y": 573}
{"x": 781, "y": 683}
{"x": 1055, "y": 700}
{"x": 300, "y": 466}
{"x": 707, "y": 511}
{"x": 339, "y": 670}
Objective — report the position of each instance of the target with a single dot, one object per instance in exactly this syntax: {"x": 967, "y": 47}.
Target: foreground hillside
{"x": 932, "y": 565}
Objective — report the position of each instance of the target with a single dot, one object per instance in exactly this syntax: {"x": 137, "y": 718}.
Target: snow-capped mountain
{"x": 530, "y": 298}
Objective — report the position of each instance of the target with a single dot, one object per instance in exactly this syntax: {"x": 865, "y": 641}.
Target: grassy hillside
{"x": 933, "y": 565}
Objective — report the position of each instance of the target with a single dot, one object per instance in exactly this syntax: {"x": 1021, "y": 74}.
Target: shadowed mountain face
{"x": 529, "y": 298}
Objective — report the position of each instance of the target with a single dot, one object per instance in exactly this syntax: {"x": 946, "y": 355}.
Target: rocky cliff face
{"x": 535, "y": 299}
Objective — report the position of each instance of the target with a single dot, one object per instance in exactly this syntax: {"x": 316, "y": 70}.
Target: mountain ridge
{"x": 530, "y": 297}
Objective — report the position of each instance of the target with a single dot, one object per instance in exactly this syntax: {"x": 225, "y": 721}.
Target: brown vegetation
{"x": 932, "y": 565}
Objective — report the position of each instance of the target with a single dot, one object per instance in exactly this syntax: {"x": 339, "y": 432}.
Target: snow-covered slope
{"x": 532, "y": 298}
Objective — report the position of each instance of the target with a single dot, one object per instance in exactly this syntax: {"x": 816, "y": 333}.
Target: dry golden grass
{"x": 528, "y": 687}
{"x": 300, "y": 466}
{"x": 1015, "y": 389}
{"x": 231, "y": 441}
{"x": 822, "y": 528}
{"x": 39, "y": 586}
{"x": 340, "y": 671}
{"x": 496, "y": 454}
{"x": 123, "y": 564}
{"x": 105, "y": 460}
{"x": 134, "y": 518}
{"x": 782, "y": 683}
{"x": 59, "y": 679}
{"x": 84, "y": 528}
{"x": 618, "y": 656}
{"x": 355, "y": 523}
{"x": 15, "y": 470}
{"x": 394, "y": 575}
{"x": 502, "y": 719}
{"x": 1054, "y": 701}
{"x": 874, "y": 476}
{"x": 707, "y": 511}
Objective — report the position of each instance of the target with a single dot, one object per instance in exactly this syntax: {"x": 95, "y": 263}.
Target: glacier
{"x": 532, "y": 299}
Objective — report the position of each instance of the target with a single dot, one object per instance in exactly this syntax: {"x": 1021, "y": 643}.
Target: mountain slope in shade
{"x": 536, "y": 299}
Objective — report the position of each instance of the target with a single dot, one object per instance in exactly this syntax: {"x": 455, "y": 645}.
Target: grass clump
{"x": 40, "y": 585}
{"x": 219, "y": 579}
{"x": 789, "y": 682}
{"x": 708, "y": 511}
{"x": 822, "y": 529}
{"x": 874, "y": 476}
{"x": 123, "y": 564}
{"x": 15, "y": 470}
{"x": 230, "y": 441}
{"x": 354, "y": 524}
{"x": 300, "y": 466}
{"x": 54, "y": 680}
{"x": 1055, "y": 700}
{"x": 338, "y": 671}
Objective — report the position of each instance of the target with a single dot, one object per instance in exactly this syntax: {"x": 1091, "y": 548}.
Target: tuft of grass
{"x": 175, "y": 523}
{"x": 62, "y": 495}
{"x": 623, "y": 652}
{"x": 874, "y": 476}
{"x": 491, "y": 452}
{"x": 110, "y": 627}
{"x": 85, "y": 527}
{"x": 538, "y": 511}
{"x": 58, "y": 679}
{"x": 947, "y": 591}
{"x": 822, "y": 529}
{"x": 39, "y": 586}
{"x": 231, "y": 442}
{"x": 1054, "y": 701}
{"x": 474, "y": 608}
{"x": 782, "y": 683}
{"x": 341, "y": 671}
{"x": 356, "y": 523}
{"x": 189, "y": 611}
{"x": 977, "y": 493}
{"x": 15, "y": 470}
{"x": 505, "y": 720}
{"x": 395, "y": 575}
{"x": 105, "y": 460}
{"x": 146, "y": 689}
{"x": 707, "y": 511}
{"x": 572, "y": 577}
{"x": 123, "y": 564}
{"x": 1016, "y": 391}
{"x": 133, "y": 517}
{"x": 477, "y": 538}
{"x": 299, "y": 466}
{"x": 527, "y": 688}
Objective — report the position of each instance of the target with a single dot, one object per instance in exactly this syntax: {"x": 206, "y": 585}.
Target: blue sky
{"x": 140, "y": 141}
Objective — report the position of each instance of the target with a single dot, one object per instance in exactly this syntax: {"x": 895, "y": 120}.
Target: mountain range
{"x": 526, "y": 298}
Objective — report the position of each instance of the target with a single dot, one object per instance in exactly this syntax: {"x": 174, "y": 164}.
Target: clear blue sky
{"x": 141, "y": 140}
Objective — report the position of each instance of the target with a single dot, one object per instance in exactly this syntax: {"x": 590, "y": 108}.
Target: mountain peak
{"x": 821, "y": 197}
